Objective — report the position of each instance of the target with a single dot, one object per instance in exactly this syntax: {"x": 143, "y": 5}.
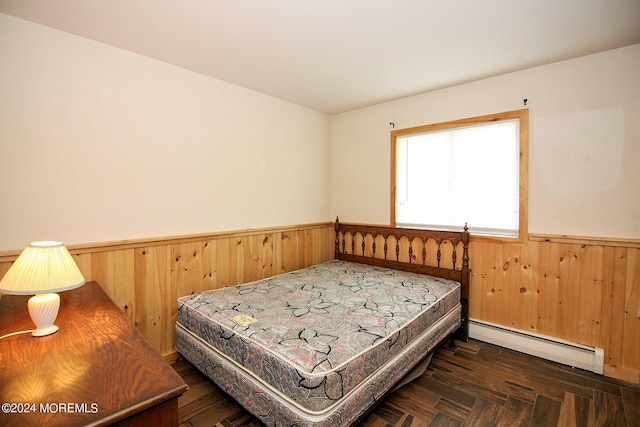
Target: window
{"x": 468, "y": 171}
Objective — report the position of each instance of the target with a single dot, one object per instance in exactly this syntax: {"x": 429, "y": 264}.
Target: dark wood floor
{"x": 477, "y": 385}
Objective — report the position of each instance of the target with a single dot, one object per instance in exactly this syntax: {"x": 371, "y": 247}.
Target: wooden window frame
{"x": 523, "y": 117}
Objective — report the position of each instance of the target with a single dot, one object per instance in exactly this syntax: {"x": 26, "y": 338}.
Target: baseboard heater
{"x": 549, "y": 348}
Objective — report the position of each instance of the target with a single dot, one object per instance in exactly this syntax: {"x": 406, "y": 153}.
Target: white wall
{"x": 100, "y": 144}
{"x": 584, "y": 152}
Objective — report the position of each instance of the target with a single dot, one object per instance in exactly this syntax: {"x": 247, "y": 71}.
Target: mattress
{"x": 316, "y": 338}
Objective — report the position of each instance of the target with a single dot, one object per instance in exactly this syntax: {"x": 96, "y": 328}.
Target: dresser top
{"x": 97, "y": 369}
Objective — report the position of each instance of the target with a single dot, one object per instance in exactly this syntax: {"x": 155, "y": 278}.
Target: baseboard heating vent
{"x": 565, "y": 352}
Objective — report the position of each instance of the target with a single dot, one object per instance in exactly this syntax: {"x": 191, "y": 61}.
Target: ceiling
{"x": 338, "y": 55}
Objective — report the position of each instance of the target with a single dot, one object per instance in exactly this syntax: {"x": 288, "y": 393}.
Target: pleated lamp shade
{"x": 42, "y": 269}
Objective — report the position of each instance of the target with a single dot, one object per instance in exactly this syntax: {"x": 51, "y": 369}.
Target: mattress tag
{"x": 244, "y": 319}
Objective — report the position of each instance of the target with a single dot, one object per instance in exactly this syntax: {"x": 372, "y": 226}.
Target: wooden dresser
{"x": 97, "y": 369}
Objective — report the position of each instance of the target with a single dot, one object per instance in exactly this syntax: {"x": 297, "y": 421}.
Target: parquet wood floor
{"x": 476, "y": 385}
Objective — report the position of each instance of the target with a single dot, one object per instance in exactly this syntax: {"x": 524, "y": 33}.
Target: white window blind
{"x": 469, "y": 174}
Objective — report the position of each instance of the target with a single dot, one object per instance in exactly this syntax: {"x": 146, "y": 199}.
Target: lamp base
{"x": 43, "y": 309}
{"x": 41, "y": 332}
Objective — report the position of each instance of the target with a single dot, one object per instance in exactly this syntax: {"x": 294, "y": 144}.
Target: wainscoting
{"x": 146, "y": 277}
{"x": 580, "y": 290}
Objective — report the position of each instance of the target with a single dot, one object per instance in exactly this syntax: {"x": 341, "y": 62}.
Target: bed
{"x": 323, "y": 345}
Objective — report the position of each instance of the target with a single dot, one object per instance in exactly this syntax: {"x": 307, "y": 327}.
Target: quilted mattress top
{"x": 321, "y": 330}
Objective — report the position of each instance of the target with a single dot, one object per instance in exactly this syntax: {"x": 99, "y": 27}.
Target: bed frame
{"x": 434, "y": 253}
{"x": 410, "y": 249}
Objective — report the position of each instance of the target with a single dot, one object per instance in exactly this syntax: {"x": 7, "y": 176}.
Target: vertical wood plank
{"x": 114, "y": 271}
{"x": 291, "y": 251}
{"x": 155, "y": 296}
{"x": 257, "y": 254}
{"x": 236, "y": 261}
{"x": 548, "y": 282}
{"x": 209, "y": 265}
{"x": 187, "y": 271}
{"x": 84, "y": 263}
{"x": 496, "y": 308}
{"x": 223, "y": 262}
{"x": 477, "y": 306}
{"x": 613, "y": 298}
{"x": 512, "y": 285}
{"x": 318, "y": 245}
{"x": 569, "y": 291}
{"x": 4, "y": 267}
{"x": 631, "y": 337}
{"x": 251, "y": 258}
{"x": 590, "y": 307}
{"x": 528, "y": 296}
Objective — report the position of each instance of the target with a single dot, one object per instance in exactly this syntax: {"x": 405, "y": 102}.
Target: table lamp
{"x": 42, "y": 269}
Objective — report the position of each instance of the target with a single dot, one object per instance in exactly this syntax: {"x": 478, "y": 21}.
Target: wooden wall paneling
{"x": 534, "y": 271}
{"x": 310, "y": 243}
{"x": 257, "y": 254}
{"x": 613, "y": 304}
{"x": 187, "y": 268}
{"x": 267, "y": 256}
{"x": 590, "y": 303}
{"x": 84, "y": 263}
{"x": 480, "y": 296}
{"x": 319, "y": 243}
{"x": 570, "y": 289}
{"x": 236, "y": 261}
{"x": 512, "y": 284}
{"x": 476, "y": 297}
{"x": 114, "y": 271}
{"x": 289, "y": 249}
{"x": 631, "y": 354}
{"x": 305, "y": 246}
{"x": 249, "y": 259}
{"x": 548, "y": 292}
{"x": 578, "y": 289}
{"x": 222, "y": 262}
{"x": 208, "y": 262}
{"x": 155, "y": 295}
{"x": 262, "y": 255}
{"x": 4, "y": 267}
{"x": 301, "y": 248}
{"x": 326, "y": 250}
{"x": 528, "y": 291}
{"x": 493, "y": 283}
{"x": 278, "y": 249}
